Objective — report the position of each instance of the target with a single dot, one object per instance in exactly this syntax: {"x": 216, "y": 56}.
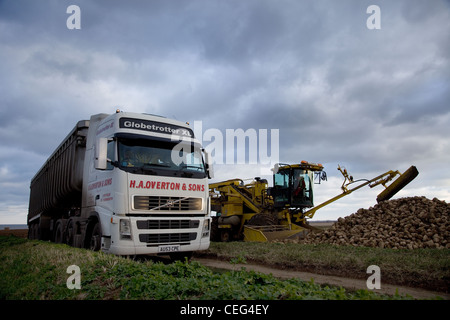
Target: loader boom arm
{"x": 382, "y": 179}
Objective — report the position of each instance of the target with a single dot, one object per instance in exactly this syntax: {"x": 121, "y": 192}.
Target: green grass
{"x": 428, "y": 268}
{"x": 37, "y": 270}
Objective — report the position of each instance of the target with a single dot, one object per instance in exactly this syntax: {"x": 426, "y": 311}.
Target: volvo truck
{"x": 127, "y": 184}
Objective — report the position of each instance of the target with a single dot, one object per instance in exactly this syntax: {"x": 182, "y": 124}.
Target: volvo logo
{"x": 170, "y": 203}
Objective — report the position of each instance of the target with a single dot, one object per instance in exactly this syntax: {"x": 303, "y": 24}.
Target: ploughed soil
{"x": 21, "y": 233}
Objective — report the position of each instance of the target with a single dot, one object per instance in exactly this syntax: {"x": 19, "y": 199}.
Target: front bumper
{"x": 149, "y": 234}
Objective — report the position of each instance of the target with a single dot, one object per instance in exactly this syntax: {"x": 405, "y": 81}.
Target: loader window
{"x": 282, "y": 179}
{"x": 292, "y": 187}
{"x": 301, "y": 188}
{"x": 280, "y": 192}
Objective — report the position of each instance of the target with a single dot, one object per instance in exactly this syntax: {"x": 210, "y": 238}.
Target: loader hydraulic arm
{"x": 382, "y": 179}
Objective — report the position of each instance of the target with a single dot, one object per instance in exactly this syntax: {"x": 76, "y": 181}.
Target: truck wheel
{"x": 215, "y": 232}
{"x": 32, "y": 231}
{"x": 95, "y": 241}
{"x": 70, "y": 232}
{"x": 37, "y": 231}
{"x": 59, "y": 232}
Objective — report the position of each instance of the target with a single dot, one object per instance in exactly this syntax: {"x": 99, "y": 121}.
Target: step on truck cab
{"x": 125, "y": 183}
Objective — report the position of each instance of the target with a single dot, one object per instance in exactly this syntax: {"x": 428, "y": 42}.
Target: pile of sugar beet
{"x": 404, "y": 223}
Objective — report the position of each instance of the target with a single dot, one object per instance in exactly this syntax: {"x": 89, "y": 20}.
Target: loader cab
{"x": 293, "y": 185}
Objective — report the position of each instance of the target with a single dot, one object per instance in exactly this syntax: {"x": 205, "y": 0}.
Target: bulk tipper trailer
{"x": 125, "y": 183}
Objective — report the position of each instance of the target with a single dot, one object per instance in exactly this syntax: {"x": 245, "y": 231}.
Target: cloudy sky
{"x": 339, "y": 92}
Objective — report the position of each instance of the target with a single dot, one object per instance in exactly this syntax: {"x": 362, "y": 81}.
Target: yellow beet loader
{"x": 256, "y": 212}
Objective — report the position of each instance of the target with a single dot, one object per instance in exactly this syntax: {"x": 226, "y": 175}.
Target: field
{"x": 21, "y": 233}
{"x": 36, "y": 270}
{"x": 419, "y": 268}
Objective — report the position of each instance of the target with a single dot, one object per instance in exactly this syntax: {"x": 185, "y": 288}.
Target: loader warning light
{"x": 311, "y": 165}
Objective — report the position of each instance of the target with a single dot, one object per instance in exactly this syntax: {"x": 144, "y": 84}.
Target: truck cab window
{"x": 111, "y": 154}
{"x": 165, "y": 158}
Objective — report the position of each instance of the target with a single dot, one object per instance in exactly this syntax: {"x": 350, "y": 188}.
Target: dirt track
{"x": 348, "y": 283}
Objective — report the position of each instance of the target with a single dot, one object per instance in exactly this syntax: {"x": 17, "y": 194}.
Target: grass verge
{"x": 35, "y": 270}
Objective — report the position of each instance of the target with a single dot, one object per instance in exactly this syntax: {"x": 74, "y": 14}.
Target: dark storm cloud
{"x": 337, "y": 91}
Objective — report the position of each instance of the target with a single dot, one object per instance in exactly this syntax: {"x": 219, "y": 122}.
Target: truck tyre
{"x": 59, "y": 232}
{"x": 37, "y": 231}
{"x": 95, "y": 240}
{"x": 32, "y": 231}
{"x": 70, "y": 232}
{"x": 215, "y": 232}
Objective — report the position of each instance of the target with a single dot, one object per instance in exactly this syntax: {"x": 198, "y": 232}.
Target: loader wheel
{"x": 263, "y": 219}
{"x": 225, "y": 235}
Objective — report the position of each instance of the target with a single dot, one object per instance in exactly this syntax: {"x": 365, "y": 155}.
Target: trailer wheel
{"x": 32, "y": 231}
{"x": 59, "y": 232}
{"x": 95, "y": 241}
{"x": 70, "y": 232}
{"x": 37, "y": 231}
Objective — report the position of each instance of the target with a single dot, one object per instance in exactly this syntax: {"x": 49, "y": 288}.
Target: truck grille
{"x": 167, "y": 224}
{"x": 156, "y": 203}
{"x": 168, "y": 237}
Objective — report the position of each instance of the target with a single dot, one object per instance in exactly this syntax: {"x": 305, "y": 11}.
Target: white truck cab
{"x": 144, "y": 189}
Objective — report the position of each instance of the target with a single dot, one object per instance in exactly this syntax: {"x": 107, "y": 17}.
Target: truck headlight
{"x": 125, "y": 229}
{"x": 206, "y": 227}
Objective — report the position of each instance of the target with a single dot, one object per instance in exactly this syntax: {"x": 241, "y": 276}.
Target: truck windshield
{"x": 163, "y": 158}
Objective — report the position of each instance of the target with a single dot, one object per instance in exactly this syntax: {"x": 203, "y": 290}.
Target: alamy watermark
{"x": 74, "y": 281}
{"x": 374, "y": 280}
{"x": 238, "y": 146}
{"x": 74, "y": 20}
{"x": 373, "y": 22}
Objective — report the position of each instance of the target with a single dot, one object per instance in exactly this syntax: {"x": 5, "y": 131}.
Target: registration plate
{"x": 169, "y": 248}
